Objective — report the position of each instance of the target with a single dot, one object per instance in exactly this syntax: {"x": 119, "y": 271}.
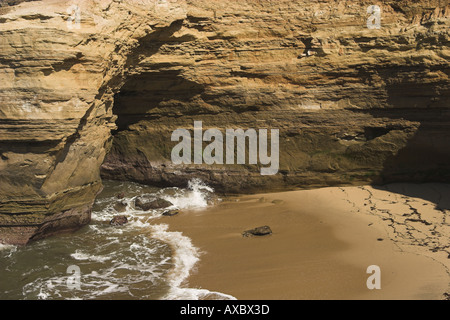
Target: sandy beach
{"x": 322, "y": 243}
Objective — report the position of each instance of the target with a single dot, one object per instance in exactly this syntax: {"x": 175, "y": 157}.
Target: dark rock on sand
{"x": 152, "y": 204}
{"x": 260, "y": 231}
{"x": 118, "y": 221}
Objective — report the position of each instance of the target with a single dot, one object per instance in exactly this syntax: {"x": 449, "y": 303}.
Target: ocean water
{"x": 140, "y": 260}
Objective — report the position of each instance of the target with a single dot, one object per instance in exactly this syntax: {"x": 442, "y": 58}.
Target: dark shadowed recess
{"x": 156, "y": 91}
{"x": 153, "y": 94}
{"x": 426, "y": 157}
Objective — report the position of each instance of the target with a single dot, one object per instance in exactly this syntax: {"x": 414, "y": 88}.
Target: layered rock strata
{"x": 103, "y": 84}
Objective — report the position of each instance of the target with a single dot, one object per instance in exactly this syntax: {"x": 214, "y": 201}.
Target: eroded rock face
{"x": 57, "y": 85}
{"x": 352, "y": 105}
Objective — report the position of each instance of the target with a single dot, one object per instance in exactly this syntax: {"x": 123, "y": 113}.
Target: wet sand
{"x": 322, "y": 243}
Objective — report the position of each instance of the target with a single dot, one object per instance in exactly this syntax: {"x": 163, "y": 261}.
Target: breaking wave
{"x": 140, "y": 260}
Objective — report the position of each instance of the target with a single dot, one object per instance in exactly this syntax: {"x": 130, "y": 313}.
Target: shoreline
{"x": 322, "y": 243}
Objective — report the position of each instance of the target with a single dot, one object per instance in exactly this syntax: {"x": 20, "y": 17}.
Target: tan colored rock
{"x": 353, "y": 105}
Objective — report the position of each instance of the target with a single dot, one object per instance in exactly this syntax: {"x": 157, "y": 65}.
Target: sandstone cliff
{"x": 104, "y": 84}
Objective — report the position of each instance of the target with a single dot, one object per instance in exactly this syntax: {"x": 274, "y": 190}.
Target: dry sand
{"x": 322, "y": 243}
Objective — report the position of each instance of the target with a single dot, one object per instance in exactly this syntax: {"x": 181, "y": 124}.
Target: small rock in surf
{"x": 170, "y": 213}
{"x": 118, "y": 221}
{"x": 152, "y": 204}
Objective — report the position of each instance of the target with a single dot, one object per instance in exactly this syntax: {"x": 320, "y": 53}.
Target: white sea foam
{"x": 185, "y": 257}
{"x": 121, "y": 269}
{"x": 81, "y": 256}
{"x": 195, "y": 197}
{"x": 130, "y": 259}
{"x": 7, "y": 247}
{"x": 184, "y": 254}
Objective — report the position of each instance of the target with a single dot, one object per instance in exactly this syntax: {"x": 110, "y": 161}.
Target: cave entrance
{"x": 153, "y": 95}
{"x": 149, "y": 107}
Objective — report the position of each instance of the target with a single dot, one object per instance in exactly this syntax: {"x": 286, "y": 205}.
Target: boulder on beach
{"x": 260, "y": 231}
{"x": 118, "y": 221}
{"x": 153, "y": 204}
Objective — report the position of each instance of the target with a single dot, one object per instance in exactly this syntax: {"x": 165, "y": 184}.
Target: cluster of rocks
{"x": 142, "y": 204}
